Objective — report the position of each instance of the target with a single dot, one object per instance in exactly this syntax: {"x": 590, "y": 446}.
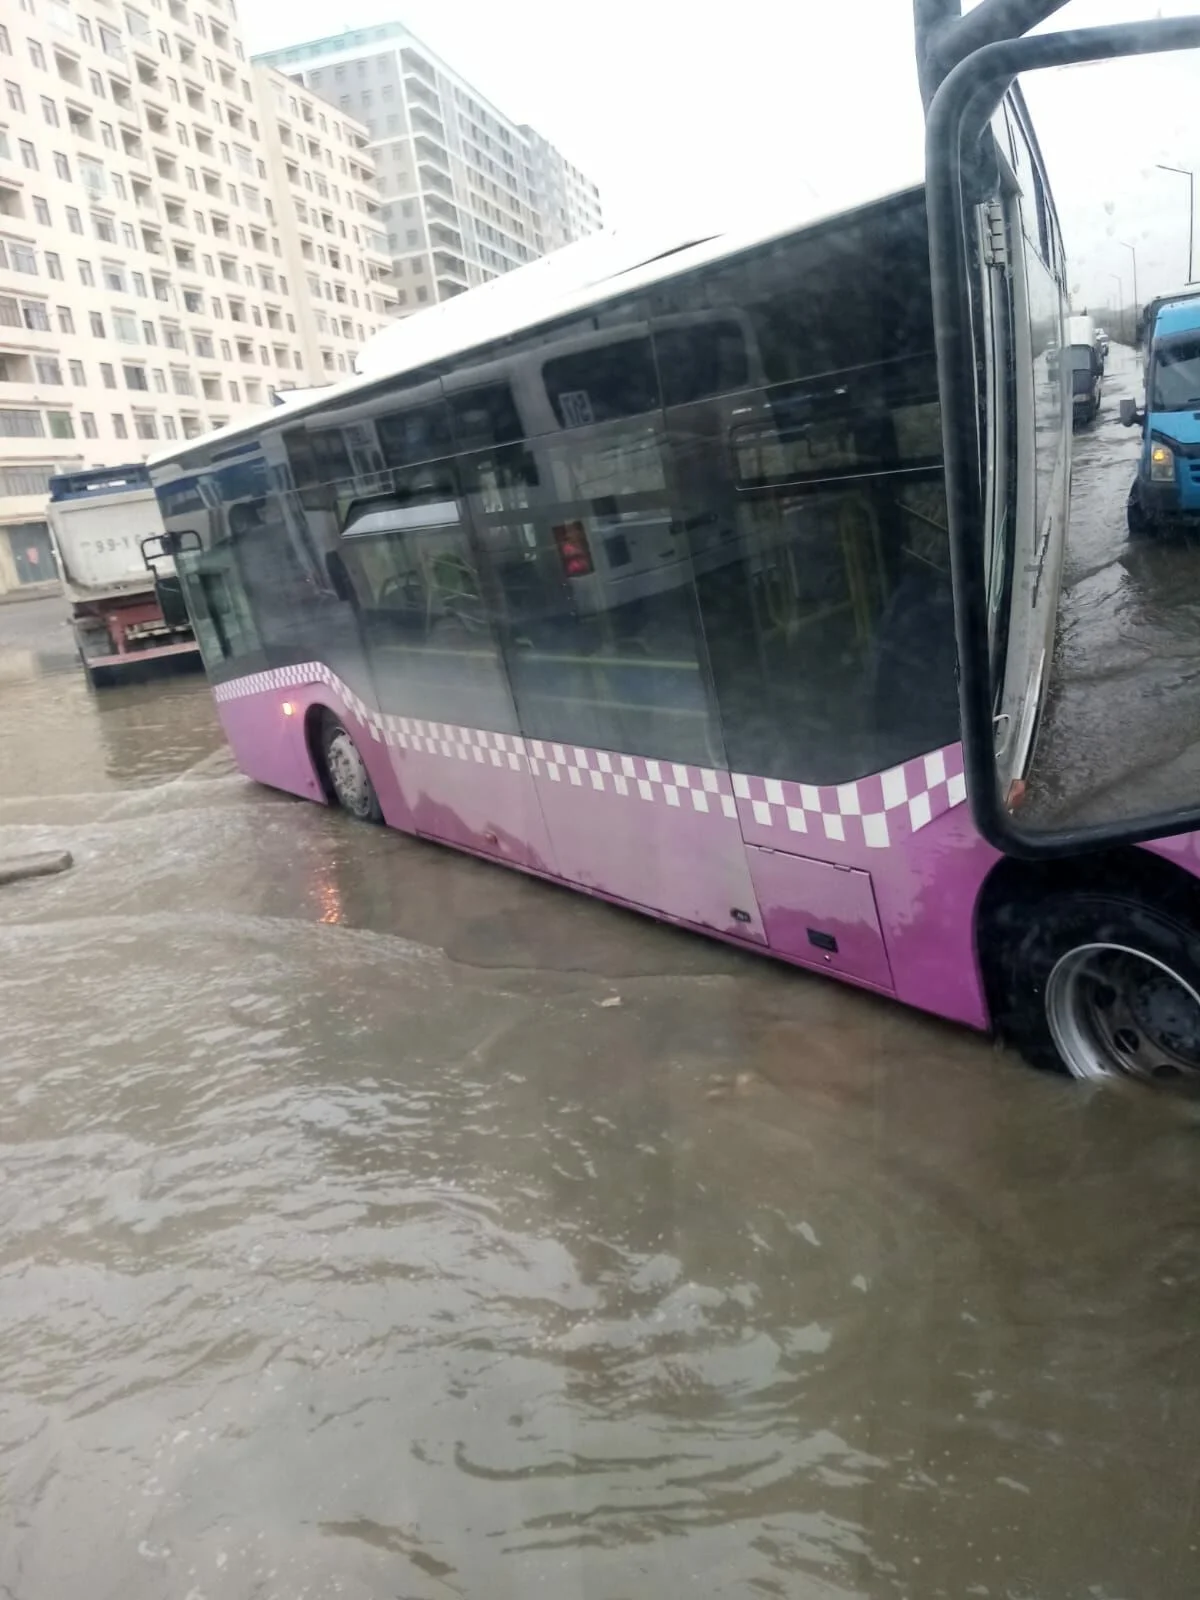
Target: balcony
{"x": 441, "y": 234}
{"x": 432, "y": 151}
{"x": 431, "y": 177}
{"x": 442, "y": 210}
{"x": 448, "y": 265}
{"x": 423, "y": 122}
{"x": 417, "y": 66}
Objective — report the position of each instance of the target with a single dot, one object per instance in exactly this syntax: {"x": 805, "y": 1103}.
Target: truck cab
{"x": 1166, "y": 491}
{"x": 1086, "y": 365}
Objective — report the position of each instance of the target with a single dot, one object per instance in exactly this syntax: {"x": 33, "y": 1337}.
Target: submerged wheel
{"x": 1100, "y": 987}
{"x": 349, "y": 780}
{"x": 1137, "y": 523}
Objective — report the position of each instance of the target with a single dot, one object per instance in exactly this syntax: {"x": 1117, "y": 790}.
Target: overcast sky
{"x": 788, "y": 104}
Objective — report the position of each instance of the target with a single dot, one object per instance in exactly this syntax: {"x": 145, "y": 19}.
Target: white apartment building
{"x": 462, "y": 184}
{"x": 568, "y": 202}
{"x": 157, "y": 276}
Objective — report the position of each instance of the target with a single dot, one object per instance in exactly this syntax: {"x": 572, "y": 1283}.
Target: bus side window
{"x": 813, "y": 498}
{"x": 595, "y": 596}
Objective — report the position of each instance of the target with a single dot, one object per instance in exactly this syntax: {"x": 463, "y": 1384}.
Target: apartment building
{"x": 467, "y": 194}
{"x": 569, "y": 203}
{"x": 157, "y": 278}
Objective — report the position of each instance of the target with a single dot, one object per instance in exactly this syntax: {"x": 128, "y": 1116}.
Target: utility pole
{"x": 1120, "y": 283}
{"x": 1186, "y": 172}
{"x": 1137, "y": 304}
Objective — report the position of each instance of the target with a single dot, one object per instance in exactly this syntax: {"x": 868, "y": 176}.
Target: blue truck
{"x": 1166, "y": 491}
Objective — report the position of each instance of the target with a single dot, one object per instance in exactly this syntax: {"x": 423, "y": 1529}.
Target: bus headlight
{"x": 1162, "y": 464}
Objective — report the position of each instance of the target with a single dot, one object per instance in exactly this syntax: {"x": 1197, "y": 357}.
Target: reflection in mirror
{"x": 1119, "y": 738}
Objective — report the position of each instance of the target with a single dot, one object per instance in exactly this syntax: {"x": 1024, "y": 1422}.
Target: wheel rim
{"x": 1115, "y": 1012}
{"x": 348, "y": 774}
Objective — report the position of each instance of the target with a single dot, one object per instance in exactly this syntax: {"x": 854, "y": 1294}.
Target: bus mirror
{"x": 1075, "y": 543}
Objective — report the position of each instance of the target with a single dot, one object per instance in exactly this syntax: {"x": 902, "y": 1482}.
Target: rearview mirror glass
{"x": 1075, "y": 536}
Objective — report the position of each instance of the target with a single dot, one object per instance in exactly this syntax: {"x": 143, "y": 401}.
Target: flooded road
{"x": 1120, "y": 739}
{"x": 380, "y": 1223}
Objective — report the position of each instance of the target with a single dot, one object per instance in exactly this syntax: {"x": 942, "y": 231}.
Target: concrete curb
{"x": 13, "y": 869}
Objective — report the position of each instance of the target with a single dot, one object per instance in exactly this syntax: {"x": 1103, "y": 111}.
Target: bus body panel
{"x": 901, "y": 909}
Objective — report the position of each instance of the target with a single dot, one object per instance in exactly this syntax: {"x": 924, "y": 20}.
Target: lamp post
{"x": 1120, "y": 283}
{"x": 1186, "y": 172}
{"x": 1137, "y": 304}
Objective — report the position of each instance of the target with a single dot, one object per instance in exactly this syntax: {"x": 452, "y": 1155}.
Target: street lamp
{"x": 1120, "y": 283}
{"x": 1137, "y": 304}
{"x": 1186, "y": 172}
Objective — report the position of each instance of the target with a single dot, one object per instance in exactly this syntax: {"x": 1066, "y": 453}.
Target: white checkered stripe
{"x": 876, "y": 811}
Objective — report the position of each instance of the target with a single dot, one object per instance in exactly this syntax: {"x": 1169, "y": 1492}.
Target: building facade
{"x": 180, "y": 236}
{"x": 468, "y": 194}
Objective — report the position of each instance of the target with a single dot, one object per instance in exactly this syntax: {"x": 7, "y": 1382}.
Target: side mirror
{"x": 1078, "y": 728}
{"x": 1132, "y": 416}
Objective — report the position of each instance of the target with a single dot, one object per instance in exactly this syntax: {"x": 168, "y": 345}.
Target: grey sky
{"x": 781, "y": 106}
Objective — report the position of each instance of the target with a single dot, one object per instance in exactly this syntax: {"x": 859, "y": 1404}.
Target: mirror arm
{"x": 945, "y": 37}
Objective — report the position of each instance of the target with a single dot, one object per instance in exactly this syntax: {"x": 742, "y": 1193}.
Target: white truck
{"x": 118, "y": 573}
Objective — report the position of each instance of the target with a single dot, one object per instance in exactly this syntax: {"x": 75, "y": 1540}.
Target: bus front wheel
{"x": 1101, "y": 987}
{"x": 346, "y": 772}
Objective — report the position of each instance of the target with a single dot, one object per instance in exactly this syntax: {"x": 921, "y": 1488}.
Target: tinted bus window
{"x": 813, "y": 501}
{"x": 595, "y": 597}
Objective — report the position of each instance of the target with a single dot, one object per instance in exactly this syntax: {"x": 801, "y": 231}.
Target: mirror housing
{"x": 957, "y": 158}
{"x": 1132, "y": 415}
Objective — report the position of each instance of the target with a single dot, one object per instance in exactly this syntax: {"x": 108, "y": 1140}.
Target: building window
{"x": 135, "y": 377}
{"x": 144, "y": 425}
{"x": 62, "y": 166}
{"x": 49, "y": 111}
{"x": 169, "y": 428}
{"x": 28, "y": 155}
{"x": 108, "y": 375}
{"x": 78, "y": 377}
{"x": 61, "y": 423}
{"x": 88, "y": 419}
{"x": 97, "y": 324}
{"x": 53, "y": 265}
{"x": 21, "y": 425}
{"x": 66, "y": 322}
{"x": 47, "y": 369}
{"x": 125, "y": 327}
{"x": 119, "y": 428}
{"x": 74, "y": 220}
{"x": 13, "y": 95}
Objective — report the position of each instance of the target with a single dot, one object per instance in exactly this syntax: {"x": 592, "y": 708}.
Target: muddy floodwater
{"x": 378, "y": 1223}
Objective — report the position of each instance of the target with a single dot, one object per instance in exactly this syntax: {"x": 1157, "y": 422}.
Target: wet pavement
{"x": 1120, "y": 739}
{"x": 377, "y": 1222}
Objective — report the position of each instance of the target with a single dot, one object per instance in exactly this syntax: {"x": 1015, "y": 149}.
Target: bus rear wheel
{"x": 346, "y": 771}
{"x": 1103, "y": 987}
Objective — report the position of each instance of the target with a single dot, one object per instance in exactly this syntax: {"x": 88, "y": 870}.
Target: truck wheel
{"x": 347, "y": 772}
{"x": 1101, "y": 986}
{"x": 1137, "y": 523}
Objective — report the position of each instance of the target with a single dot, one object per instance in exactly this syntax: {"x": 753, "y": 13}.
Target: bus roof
{"x": 589, "y": 272}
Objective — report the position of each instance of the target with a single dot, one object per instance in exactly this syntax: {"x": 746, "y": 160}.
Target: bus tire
{"x": 345, "y": 771}
{"x": 1101, "y": 986}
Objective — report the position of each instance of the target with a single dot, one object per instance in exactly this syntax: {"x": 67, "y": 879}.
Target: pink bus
{"x": 643, "y": 585}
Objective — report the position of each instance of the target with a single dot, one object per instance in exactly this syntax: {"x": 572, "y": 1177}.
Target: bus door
{"x": 563, "y": 471}
{"x": 405, "y": 561}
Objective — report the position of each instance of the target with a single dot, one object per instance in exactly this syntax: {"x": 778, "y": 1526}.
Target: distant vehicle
{"x": 1166, "y": 490}
{"x": 1087, "y": 369}
{"x": 127, "y": 608}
